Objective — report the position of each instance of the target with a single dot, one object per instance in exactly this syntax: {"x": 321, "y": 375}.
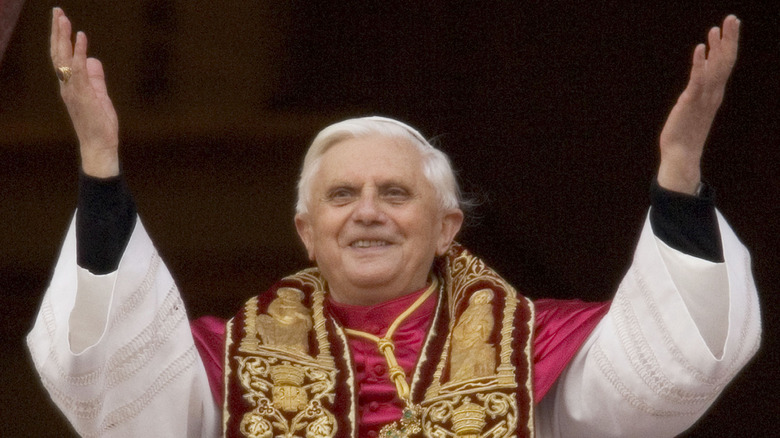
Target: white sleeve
{"x": 679, "y": 329}
{"x": 115, "y": 351}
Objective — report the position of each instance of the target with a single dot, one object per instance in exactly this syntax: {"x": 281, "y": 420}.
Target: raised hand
{"x": 83, "y": 89}
{"x": 686, "y": 129}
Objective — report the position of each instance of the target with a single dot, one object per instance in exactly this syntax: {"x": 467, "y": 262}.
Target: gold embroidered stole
{"x": 289, "y": 373}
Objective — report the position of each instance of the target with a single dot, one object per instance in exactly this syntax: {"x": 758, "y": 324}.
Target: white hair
{"x": 436, "y": 166}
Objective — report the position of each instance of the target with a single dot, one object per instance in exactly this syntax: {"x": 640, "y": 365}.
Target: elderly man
{"x": 398, "y": 331}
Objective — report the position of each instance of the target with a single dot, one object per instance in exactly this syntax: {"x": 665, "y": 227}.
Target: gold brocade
{"x": 472, "y": 355}
{"x": 288, "y": 377}
{"x": 286, "y": 386}
{"x": 479, "y": 399}
{"x": 287, "y": 324}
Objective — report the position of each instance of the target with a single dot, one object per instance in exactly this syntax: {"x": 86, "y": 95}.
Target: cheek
{"x": 325, "y": 234}
{"x": 426, "y": 232}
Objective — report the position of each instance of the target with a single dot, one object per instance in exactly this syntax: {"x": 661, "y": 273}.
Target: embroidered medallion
{"x": 472, "y": 354}
{"x": 287, "y": 324}
{"x": 285, "y": 391}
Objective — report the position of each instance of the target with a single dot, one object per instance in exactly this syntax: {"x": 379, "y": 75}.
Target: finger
{"x": 731, "y": 26}
{"x": 54, "y": 38}
{"x": 713, "y": 41}
{"x": 79, "y": 62}
{"x": 97, "y": 78}
{"x": 723, "y": 51}
{"x": 64, "y": 45}
{"x": 696, "y": 79}
{"x": 730, "y": 38}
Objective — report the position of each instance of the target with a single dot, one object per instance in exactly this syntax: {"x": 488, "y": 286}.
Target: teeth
{"x": 368, "y": 243}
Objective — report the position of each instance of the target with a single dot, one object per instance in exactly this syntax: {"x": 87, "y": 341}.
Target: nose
{"x": 368, "y": 209}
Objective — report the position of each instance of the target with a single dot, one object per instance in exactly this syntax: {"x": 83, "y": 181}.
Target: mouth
{"x": 369, "y": 243}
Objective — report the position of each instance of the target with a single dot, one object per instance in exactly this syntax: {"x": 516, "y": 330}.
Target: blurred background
{"x": 550, "y": 110}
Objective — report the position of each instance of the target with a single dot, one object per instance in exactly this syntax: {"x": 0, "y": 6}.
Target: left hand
{"x": 84, "y": 93}
{"x": 686, "y": 129}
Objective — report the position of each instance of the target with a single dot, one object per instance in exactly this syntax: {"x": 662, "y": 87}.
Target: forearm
{"x": 687, "y": 223}
{"x": 104, "y": 222}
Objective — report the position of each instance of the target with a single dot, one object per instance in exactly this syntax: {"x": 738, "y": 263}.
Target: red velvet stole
{"x": 561, "y": 327}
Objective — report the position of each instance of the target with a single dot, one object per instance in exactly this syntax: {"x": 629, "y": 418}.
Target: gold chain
{"x": 410, "y": 418}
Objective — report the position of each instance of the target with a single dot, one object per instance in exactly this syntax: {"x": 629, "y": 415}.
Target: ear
{"x": 450, "y": 225}
{"x": 304, "y": 228}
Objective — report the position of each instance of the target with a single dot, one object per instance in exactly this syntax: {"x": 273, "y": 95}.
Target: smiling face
{"x": 374, "y": 223}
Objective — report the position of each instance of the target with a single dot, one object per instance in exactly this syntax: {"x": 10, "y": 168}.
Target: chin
{"x": 370, "y": 280}
{"x": 374, "y": 272}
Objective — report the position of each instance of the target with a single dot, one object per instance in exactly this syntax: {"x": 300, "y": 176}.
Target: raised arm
{"x": 106, "y": 212}
{"x": 686, "y": 129}
{"x": 680, "y": 327}
{"x": 112, "y": 342}
{"x": 83, "y": 89}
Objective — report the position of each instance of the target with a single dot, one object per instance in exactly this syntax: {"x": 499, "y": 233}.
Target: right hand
{"x": 86, "y": 98}
{"x": 686, "y": 130}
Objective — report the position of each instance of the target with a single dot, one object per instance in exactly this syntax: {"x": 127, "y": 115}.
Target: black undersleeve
{"x": 104, "y": 221}
{"x": 686, "y": 223}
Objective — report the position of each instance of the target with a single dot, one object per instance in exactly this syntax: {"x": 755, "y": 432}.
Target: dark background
{"x": 550, "y": 110}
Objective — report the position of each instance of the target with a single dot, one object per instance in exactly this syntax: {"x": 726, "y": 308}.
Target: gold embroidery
{"x": 250, "y": 342}
{"x": 468, "y": 419}
{"x": 255, "y": 426}
{"x": 529, "y": 366}
{"x": 475, "y": 387}
{"x": 297, "y": 393}
{"x": 288, "y": 392}
{"x": 472, "y": 356}
{"x": 285, "y": 385}
{"x": 227, "y": 376}
{"x": 287, "y": 323}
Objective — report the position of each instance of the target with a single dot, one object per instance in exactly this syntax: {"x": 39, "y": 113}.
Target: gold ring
{"x": 63, "y": 74}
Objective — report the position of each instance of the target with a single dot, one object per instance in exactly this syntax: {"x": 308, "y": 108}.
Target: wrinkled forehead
{"x": 388, "y": 143}
{"x": 371, "y": 154}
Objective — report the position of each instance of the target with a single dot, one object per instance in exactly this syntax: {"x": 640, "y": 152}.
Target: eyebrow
{"x": 393, "y": 184}
{"x": 339, "y": 185}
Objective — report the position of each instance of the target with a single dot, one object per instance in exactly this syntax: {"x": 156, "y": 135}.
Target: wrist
{"x": 680, "y": 170}
{"x": 679, "y": 180}
{"x": 103, "y": 163}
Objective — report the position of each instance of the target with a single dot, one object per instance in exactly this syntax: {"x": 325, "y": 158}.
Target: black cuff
{"x": 104, "y": 221}
{"x": 686, "y": 223}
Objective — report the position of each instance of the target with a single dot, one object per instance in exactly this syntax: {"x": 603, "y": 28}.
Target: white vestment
{"x": 116, "y": 354}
